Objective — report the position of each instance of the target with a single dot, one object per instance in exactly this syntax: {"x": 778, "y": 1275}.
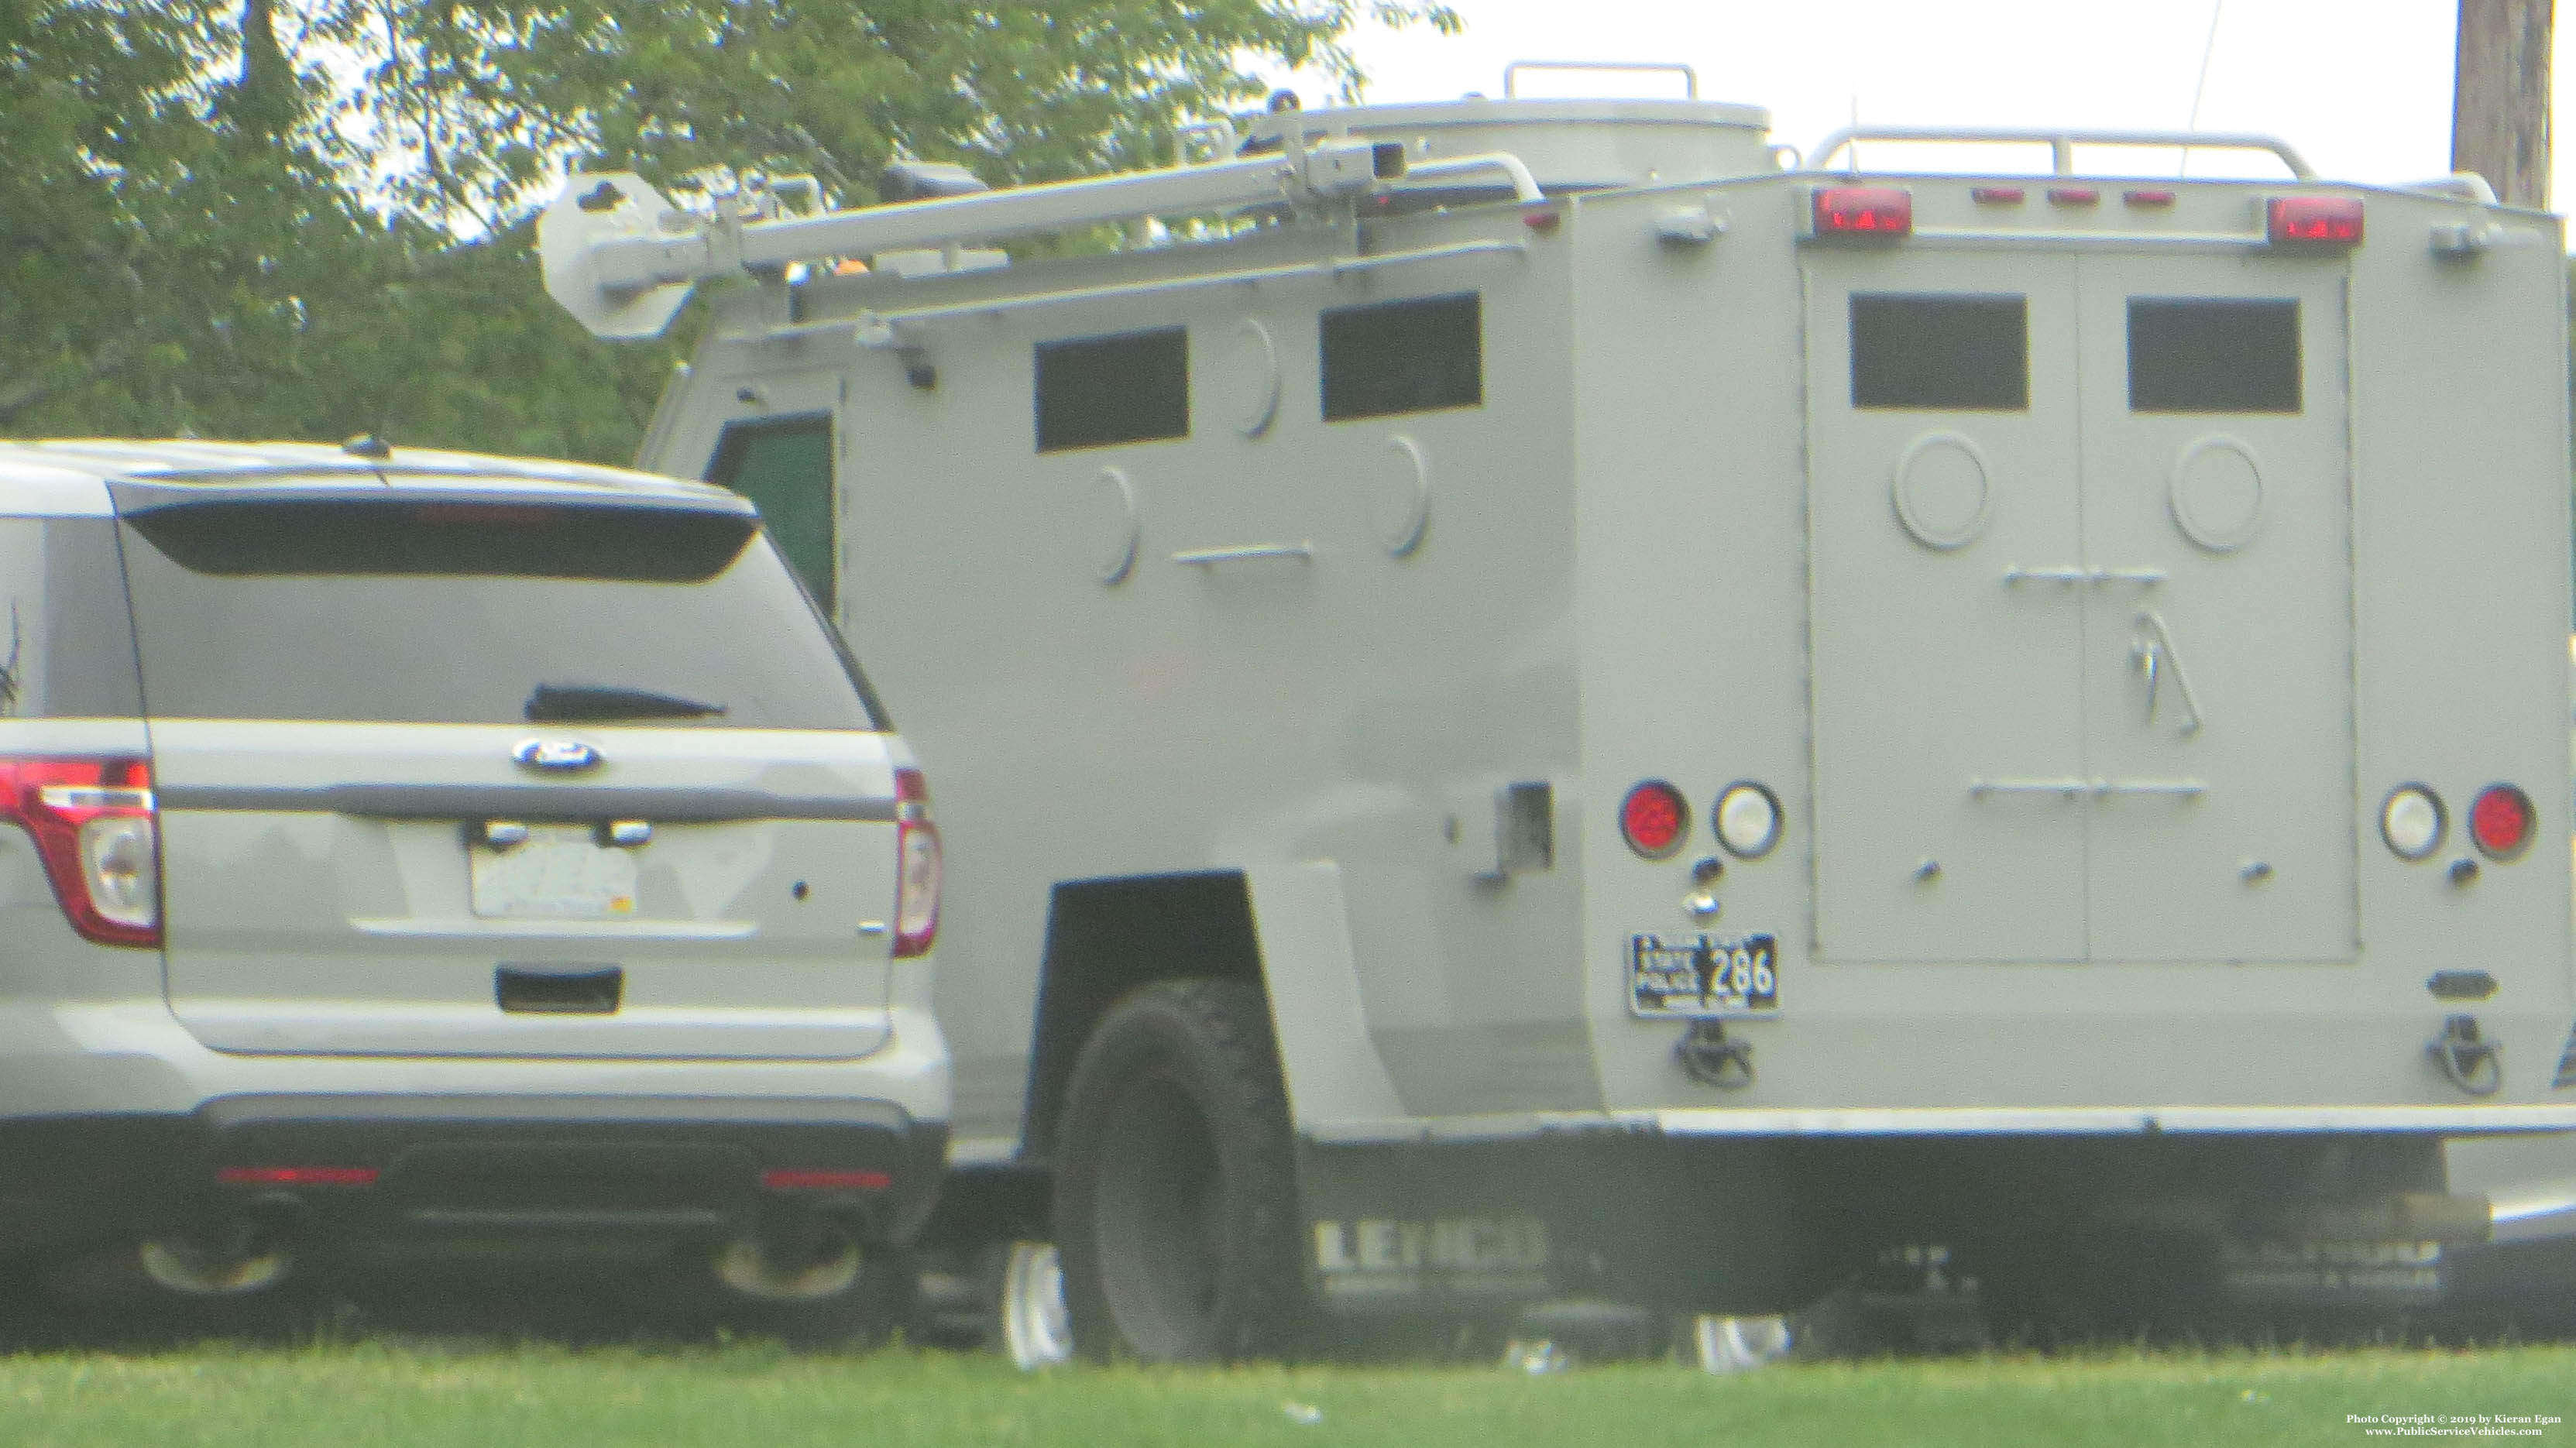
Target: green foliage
{"x": 308, "y": 218}
{"x": 489, "y": 99}
{"x": 162, "y": 238}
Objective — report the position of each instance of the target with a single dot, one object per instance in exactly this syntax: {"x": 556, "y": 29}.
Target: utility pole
{"x": 2500, "y": 98}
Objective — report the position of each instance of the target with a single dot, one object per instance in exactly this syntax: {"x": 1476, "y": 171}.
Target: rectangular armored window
{"x": 2213, "y": 354}
{"x": 784, "y": 466}
{"x": 1946, "y": 352}
{"x": 1409, "y": 356}
{"x": 1096, "y": 391}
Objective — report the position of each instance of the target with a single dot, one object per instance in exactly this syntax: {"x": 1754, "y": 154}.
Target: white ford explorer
{"x": 411, "y": 845}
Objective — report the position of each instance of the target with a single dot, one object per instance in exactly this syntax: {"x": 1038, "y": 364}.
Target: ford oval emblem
{"x": 556, "y": 754}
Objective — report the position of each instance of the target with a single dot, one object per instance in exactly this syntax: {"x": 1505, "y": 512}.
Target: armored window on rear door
{"x": 1408, "y": 356}
{"x": 1098, "y": 391}
{"x": 1942, "y": 352}
{"x": 2213, "y": 354}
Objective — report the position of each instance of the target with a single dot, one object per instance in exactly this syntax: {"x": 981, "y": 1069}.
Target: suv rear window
{"x": 477, "y": 612}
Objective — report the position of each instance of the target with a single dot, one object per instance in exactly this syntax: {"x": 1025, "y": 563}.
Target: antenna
{"x": 2200, "y": 87}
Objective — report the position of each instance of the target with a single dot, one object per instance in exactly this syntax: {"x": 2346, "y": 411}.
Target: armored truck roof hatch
{"x": 1610, "y": 717}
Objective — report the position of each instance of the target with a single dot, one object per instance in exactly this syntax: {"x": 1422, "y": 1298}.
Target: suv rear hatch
{"x": 505, "y": 773}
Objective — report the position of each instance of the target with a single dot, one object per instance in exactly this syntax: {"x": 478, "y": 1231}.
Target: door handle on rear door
{"x": 2153, "y": 654}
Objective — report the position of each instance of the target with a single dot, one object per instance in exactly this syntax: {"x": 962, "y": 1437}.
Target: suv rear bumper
{"x": 342, "y": 1167}
{"x": 115, "y": 1122}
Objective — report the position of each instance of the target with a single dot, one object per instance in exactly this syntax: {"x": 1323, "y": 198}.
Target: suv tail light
{"x": 98, "y": 831}
{"x": 916, "y": 864}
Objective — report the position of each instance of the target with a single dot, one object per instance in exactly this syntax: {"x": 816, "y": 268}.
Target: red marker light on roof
{"x": 2313, "y": 220}
{"x": 1867, "y": 212}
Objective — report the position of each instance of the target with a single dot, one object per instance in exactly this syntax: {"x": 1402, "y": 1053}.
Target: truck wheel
{"x": 1175, "y": 1190}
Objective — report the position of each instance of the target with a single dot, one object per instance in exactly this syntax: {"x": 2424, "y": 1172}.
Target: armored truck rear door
{"x": 2218, "y": 697}
{"x": 1942, "y": 455}
{"x": 2080, "y": 602}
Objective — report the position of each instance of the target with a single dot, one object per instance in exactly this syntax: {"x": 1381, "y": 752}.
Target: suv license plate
{"x": 1702, "y": 975}
{"x": 559, "y": 872}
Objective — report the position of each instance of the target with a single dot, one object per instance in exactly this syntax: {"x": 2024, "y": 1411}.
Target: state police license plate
{"x": 1702, "y": 975}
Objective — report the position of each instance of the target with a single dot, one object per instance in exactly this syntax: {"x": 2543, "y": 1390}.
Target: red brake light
{"x": 2501, "y": 821}
{"x": 1654, "y": 818}
{"x": 2313, "y": 220}
{"x": 1864, "y": 211}
{"x": 916, "y": 864}
{"x": 95, "y": 825}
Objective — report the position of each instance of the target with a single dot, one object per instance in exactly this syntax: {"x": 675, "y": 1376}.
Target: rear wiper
{"x": 554, "y": 703}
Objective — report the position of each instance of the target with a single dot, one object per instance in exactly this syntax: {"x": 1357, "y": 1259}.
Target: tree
{"x": 479, "y": 104}
{"x": 172, "y": 220}
{"x": 309, "y": 218}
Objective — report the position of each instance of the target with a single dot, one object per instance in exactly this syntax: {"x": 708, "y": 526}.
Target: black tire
{"x": 1175, "y": 1183}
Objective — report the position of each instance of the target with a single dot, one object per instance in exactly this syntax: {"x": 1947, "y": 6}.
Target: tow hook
{"x": 2467, "y": 1059}
{"x": 1712, "y": 1060}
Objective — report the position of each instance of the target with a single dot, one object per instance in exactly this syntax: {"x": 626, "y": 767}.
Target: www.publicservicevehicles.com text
{"x": 2452, "y": 1425}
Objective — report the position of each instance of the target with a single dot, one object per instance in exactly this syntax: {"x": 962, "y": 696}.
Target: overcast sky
{"x": 2361, "y": 87}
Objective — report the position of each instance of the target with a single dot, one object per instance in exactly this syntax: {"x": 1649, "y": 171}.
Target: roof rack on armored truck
{"x": 2061, "y": 144}
{"x": 622, "y": 258}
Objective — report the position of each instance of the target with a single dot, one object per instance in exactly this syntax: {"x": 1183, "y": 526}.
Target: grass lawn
{"x": 752, "y": 1397}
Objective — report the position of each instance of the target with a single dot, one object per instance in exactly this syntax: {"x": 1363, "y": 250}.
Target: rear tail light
{"x": 2500, "y": 821}
{"x": 97, "y": 829}
{"x": 2313, "y": 221}
{"x": 916, "y": 863}
{"x": 1654, "y": 818}
{"x": 1863, "y": 212}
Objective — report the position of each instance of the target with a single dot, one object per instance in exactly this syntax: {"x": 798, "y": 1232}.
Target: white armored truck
{"x": 1536, "y": 699}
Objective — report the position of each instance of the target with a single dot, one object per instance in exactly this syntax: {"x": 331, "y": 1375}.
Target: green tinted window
{"x": 784, "y": 465}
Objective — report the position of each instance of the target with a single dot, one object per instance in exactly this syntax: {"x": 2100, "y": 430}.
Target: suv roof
{"x": 89, "y": 464}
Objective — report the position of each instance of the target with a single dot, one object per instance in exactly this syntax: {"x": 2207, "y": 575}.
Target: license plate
{"x": 559, "y": 872}
{"x": 1702, "y": 975}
